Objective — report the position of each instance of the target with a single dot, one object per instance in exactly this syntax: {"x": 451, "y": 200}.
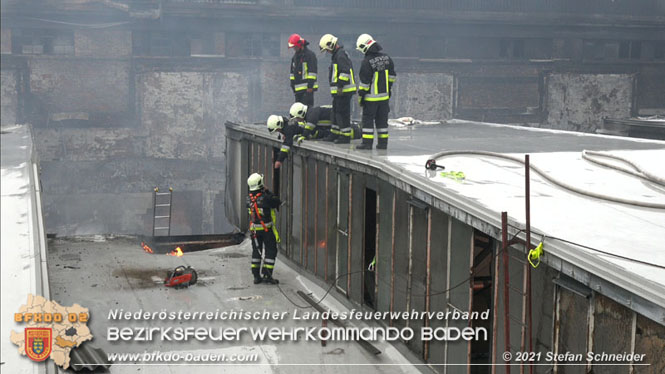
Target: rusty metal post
{"x": 495, "y": 312}
{"x": 429, "y": 277}
{"x": 349, "y": 230}
{"x": 305, "y": 242}
{"x": 527, "y": 182}
{"x": 506, "y": 283}
{"x": 325, "y": 271}
{"x": 316, "y": 217}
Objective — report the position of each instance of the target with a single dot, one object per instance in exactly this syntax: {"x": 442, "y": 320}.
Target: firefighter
{"x": 342, "y": 86}
{"x": 261, "y": 204}
{"x": 291, "y": 132}
{"x": 316, "y": 122}
{"x": 377, "y": 75}
{"x": 303, "y": 70}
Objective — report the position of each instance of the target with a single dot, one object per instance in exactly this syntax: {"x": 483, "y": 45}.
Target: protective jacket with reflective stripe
{"x": 290, "y": 131}
{"x": 303, "y": 70}
{"x": 266, "y": 201}
{"x": 319, "y": 116}
{"x": 377, "y": 75}
{"x": 340, "y": 73}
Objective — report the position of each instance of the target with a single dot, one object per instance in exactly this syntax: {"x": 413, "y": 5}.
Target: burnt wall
{"x": 8, "y": 96}
{"x": 579, "y": 102}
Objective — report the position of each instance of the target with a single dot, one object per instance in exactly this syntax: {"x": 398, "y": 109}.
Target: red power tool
{"x": 181, "y": 277}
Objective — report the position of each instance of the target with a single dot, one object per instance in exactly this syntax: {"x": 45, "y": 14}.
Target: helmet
{"x": 296, "y": 40}
{"x": 364, "y": 42}
{"x": 255, "y": 182}
{"x": 275, "y": 123}
{"x": 298, "y": 110}
{"x": 327, "y": 42}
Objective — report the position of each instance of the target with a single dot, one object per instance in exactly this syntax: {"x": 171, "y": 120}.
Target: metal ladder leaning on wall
{"x": 159, "y": 201}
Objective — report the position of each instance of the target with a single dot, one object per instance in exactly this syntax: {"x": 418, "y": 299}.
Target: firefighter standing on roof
{"x": 303, "y": 71}
{"x": 292, "y": 132}
{"x": 261, "y": 204}
{"x": 377, "y": 75}
{"x": 342, "y": 87}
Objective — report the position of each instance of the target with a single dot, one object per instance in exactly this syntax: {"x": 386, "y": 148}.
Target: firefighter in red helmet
{"x": 303, "y": 71}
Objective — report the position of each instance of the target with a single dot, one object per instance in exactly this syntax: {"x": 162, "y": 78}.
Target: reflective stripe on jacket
{"x": 377, "y": 75}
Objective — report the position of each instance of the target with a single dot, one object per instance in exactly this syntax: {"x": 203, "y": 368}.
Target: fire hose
{"x": 640, "y": 173}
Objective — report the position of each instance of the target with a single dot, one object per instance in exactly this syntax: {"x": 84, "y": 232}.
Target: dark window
{"x": 635, "y": 50}
{"x": 630, "y": 49}
{"x": 624, "y": 49}
{"x": 659, "y": 50}
{"x": 518, "y": 48}
{"x": 41, "y": 41}
{"x": 159, "y": 43}
{"x": 513, "y": 48}
{"x": 252, "y": 45}
{"x": 605, "y": 50}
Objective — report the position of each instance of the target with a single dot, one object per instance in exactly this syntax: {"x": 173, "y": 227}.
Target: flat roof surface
{"x": 20, "y": 254}
{"x": 105, "y": 274}
{"x": 493, "y": 185}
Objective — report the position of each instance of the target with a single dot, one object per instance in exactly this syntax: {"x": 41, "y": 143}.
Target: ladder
{"x": 161, "y": 211}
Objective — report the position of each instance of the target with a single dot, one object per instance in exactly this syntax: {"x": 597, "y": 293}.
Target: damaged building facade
{"x": 437, "y": 250}
{"x": 125, "y": 96}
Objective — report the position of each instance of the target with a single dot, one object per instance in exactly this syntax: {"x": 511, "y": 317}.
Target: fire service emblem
{"x": 38, "y": 343}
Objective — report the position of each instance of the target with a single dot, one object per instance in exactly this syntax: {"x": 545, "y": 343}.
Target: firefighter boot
{"x": 343, "y": 139}
{"x": 365, "y": 145}
{"x": 267, "y": 278}
{"x": 382, "y": 144}
{"x": 330, "y": 138}
{"x": 257, "y": 275}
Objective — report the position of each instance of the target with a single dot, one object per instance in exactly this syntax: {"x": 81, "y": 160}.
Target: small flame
{"x": 146, "y": 248}
{"x": 176, "y": 252}
{"x": 322, "y": 244}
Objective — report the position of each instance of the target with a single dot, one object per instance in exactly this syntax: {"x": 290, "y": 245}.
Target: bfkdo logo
{"x": 38, "y": 343}
{"x": 50, "y": 331}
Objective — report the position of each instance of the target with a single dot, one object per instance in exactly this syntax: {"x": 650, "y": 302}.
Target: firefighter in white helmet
{"x": 377, "y": 75}
{"x": 342, "y": 86}
{"x": 291, "y": 132}
{"x": 317, "y": 122}
{"x": 261, "y": 204}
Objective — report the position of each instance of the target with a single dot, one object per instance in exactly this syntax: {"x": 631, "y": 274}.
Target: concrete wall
{"x": 102, "y": 43}
{"x": 100, "y": 179}
{"x": 5, "y": 41}
{"x": 579, "y": 102}
{"x": 425, "y": 96}
{"x": 95, "y": 87}
{"x": 8, "y": 97}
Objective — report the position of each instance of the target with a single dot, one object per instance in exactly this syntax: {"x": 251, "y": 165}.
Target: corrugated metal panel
{"x": 89, "y": 358}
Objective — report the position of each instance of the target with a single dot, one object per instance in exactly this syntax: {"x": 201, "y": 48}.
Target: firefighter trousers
{"x": 375, "y": 114}
{"x": 305, "y": 97}
{"x": 342, "y": 114}
{"x": 264, "y": 240}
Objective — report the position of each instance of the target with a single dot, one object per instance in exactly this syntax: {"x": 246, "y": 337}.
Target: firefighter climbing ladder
{"x": 161, "y": 211}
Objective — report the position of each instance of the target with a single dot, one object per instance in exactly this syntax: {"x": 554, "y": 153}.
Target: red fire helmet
{"x": 296, "y": 40}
